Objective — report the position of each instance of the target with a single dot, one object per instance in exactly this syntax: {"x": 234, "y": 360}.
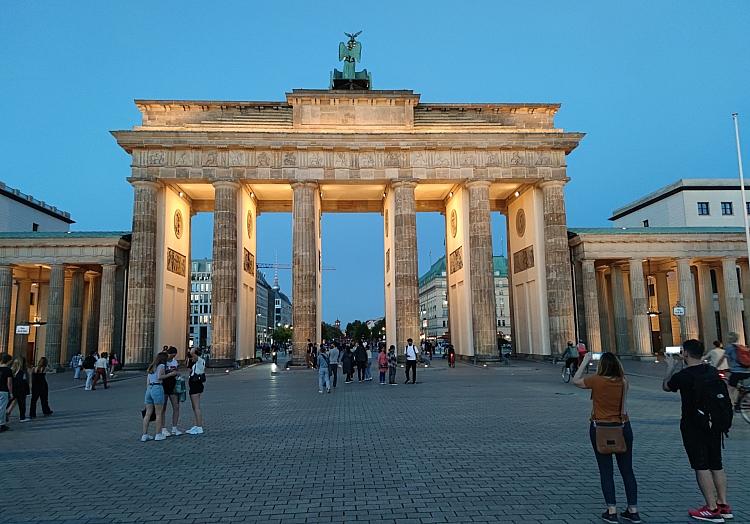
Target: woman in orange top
{"x": 609, "y": 389}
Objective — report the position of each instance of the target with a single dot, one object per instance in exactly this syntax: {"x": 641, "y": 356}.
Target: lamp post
{"x": 736, "y": 118}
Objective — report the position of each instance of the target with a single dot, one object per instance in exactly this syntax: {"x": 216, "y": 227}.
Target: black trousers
{"x": 333, "y": 370}
{"x": 361, "y": 367}
{"x": 39, "y": 391}
{"x": 21, "y": 402}
{"x": 411, "y": 364}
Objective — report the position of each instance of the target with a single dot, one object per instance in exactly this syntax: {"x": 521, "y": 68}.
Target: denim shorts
{"x": 154, "y": 394}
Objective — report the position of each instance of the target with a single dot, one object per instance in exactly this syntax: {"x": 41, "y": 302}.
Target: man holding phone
{"x": 702, "y": 443}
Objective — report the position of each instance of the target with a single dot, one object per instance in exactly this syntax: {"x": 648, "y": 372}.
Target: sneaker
{"x": 406, "y": 381}
{"x": 165, "y": 432}
{"x": 706, "y": 514}
{"x": 609, "y": 517}
{"x": 4, "y": 428}
{"x": 724, "y": 509}
{"x": 320, "y": 391}
{"x": 146, "y": 437}
{"x": 160, "y": 436}
{"x": 329, "y": 390}
{"x": 24, "y": 420}
{"x": 176, "y": 432}
{"x": 195, "y": 430}
{"x": 631, "y": 517}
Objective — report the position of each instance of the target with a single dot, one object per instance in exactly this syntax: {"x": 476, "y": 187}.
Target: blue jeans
{"x": 324, "y": 379}
{"x": 154, "y": 395}
{"x": 368, "y": 373}
{"x": 625, "y": 465}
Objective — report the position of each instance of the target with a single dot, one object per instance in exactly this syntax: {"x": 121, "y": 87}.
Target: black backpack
{"x": 712, "y": 401}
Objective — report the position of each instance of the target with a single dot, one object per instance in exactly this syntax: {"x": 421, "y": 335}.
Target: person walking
{"x": 6, "y": 389}
{"x": 702, "y": 442}
{"x": 21, "y": 386}
{"x": 154, "y": 397}
{"x": 334, "y": 357}
{"x": 102, "y": 365}
{"x": 114, "y": 363}
{"x": 737, "y": 371}
{"x": 324, "y": 371}
{"x": 39, "y": 388}
{"x": 382, "y": 364}
{"x": 347, "y": 365}
{"x": 170, "y": 384}
{"x": 392, "y": 365}
{"x": 368, "y": 369}
{"x": 410, "y": 353}
{"x": 75, "y": 365}
{"x": 196, "y": 386}
{"x": 360, "y": 357}
{"x": 609, "y": 389}
{"x": 89, "y": 364}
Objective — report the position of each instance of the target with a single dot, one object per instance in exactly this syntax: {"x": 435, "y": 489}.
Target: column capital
{"x": 553, "y": 183}
{"x": 477, "y": 183}
{"x": 729, "y": 260}
{"x": 588, "y": 262}
{"x": 139, "y": 183}
{"x": 304, "y": 183}
{"x": 226, "y": 183}
{"x": 408, "y": 183}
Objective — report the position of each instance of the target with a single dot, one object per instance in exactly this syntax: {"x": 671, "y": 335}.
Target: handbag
{"x": 153, "y": 414}
{"x": 610, "y": 436}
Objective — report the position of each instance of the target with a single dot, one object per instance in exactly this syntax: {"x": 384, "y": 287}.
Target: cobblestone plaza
{"x": 468, "y": 444}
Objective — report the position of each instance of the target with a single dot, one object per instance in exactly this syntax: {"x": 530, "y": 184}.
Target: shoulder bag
{"x": 610, "y": 436}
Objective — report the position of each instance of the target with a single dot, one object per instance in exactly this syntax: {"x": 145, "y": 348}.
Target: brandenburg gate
{"x": 348, "y": 150}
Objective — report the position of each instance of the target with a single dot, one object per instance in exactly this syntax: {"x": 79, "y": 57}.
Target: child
{"x": 392, "y": 365}
{"x": 382, "y": 364}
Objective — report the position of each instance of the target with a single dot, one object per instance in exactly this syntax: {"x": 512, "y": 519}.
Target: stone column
{"x": 224, "y": 275}
{"x": 665, "y": 309}
{"x": 482, "y": 271}
{"x": 92, "y": 314}
{"x": 745, "y": 275}
{"x": 304, "y": 268}
{"x": 706, "y": 295}
{"x": 557, "y": 266}
{"x": 405, "y": 263}
{"x": 622, "y": 338}
{"x": 641, "y": 323}
{"x": 732, "y": 300}
{"x": 55, "y": 306}
{"x": 6, "y": 296}
{"x": 107, "y": 308}
{"x": 591, "y": 306}
{"x": 604, "y": 321}
{"x": 139, "y": 347}
{"x": 689, "y": 322}
{"x": 75, "y": 314}
{"x": 23, "y": 303}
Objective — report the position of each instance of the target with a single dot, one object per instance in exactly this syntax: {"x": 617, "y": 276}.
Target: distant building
{"x": 693, "y": 202}
{"x": 273, "y": 308}
{"x": 20, "y": 212}
{"x": 433, "y": 303}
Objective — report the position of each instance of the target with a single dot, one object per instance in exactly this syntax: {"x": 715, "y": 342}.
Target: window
{"x": 747, "y": 207}
{"x": 726, "y": 208}
{"x": 645, "y": 223}
{"x": 703, "y": 209}
{"x": 34, "y": 226}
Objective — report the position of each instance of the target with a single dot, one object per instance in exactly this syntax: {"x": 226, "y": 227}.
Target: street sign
{"x": 23, "y": 329}
{"x": 678, "y": 311}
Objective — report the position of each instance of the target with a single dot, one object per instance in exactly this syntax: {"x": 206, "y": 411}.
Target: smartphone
{"x": 673, "y": 350}
{"x": 596, "y": 356}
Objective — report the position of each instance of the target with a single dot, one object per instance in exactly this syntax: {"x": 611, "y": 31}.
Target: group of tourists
{"x": 96, "y": 367}
{"x": 330, "y": 356}
{"x": 706, "y": 420}
{"x": 165, "y": 382}
{"x": 15, "y": 387}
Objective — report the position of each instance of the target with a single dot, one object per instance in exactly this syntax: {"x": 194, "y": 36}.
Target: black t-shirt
{"x": 5, "y": 374}
{"x": 684, "y": 382}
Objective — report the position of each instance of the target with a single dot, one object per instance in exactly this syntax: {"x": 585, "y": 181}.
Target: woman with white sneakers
{"x": 195, "y": 389}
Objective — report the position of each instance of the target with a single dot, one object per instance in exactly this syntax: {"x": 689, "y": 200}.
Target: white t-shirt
{"x": 153, "y": 377}
{"x": 199, "y": 367}
{"x": 172, "y": 365}
{"x": 714, "y": 356}
{"x": 101, "y": 363}
{"x": 411, "y": 353}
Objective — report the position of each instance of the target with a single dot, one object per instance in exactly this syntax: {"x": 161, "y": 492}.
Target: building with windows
{"x": 200, "y": 303}
{"x": 693, "y": 202}
{"x": 282, "y": 306}
{"x": 433, "y": 301}
{"x": 264, "y": 306}
{"x": 20, "y": 212}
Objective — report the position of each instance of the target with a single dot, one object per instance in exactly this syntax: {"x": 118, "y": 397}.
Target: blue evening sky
{"x": 652, "y": 83}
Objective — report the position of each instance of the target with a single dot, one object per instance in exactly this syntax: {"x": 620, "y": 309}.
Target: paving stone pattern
{"x": 462, "y": 445}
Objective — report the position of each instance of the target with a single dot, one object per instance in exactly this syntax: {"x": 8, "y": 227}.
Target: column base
{"x": 135, "y": 366}
{"x": 221, "y": 363}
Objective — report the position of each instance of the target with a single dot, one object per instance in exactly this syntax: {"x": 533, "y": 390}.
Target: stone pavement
{"x": 468, "y": 444}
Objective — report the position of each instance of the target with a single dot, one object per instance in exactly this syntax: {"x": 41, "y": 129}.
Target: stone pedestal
{"x": 6, "y": 295}
{"x": 305, "y": 223}
{"x": 622, "y": 335}
{"x": 23, "y": 303}
{"x": 107, "y": 308}
{"x": 224, "y": 275}
{"x": 55, "y": 304}
{"x": 139, "y": 347}
{"x": 709, "y": 332}
{"x": 557, "y": 262}
{"x": 405, "y": 263}
{"x": 483, "y": 306}
{"x": 75, "y": 315}
{"x": 665, "y": 309}
{"x": 641, "y": 324}
{"x": 732, "y": 300}
{"x": 689, "y": 322}
{"x": 591, "y": 306}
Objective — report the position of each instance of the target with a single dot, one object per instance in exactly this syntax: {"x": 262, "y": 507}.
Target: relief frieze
{"x": 176, "y": 262}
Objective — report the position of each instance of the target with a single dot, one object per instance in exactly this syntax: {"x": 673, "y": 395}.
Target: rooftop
{"x": 438, "y": 269}
{"x": 575, "y": 231}
{"x": 684, "y": 184}
{"x": 39, "y": 205}
{"x": 63, "y": 234}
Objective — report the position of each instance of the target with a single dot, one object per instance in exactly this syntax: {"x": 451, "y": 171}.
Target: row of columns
{"x": 629, "y": 314}
{"x": 102, "y": 325}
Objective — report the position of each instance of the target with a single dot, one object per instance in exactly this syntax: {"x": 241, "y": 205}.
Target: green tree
{"x": 282, "y": 335}
{"x": 330, "y": 332}
{"x": 357, "y": 330}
